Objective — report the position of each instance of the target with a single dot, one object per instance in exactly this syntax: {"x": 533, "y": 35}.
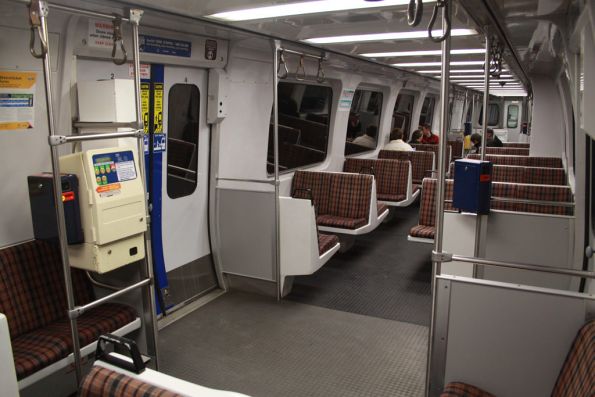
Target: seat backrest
{"x": 456, "y": 149}
{"x": 350, "y": 195}
{"x": 545, "y": 176}
{"x": 318, "y": 184}
{"x": 525, "y": 161}
{"x": 391, "y": 175}
{"x": 32, "y": 293}
{"x": 103, "y": 382}
{"x": 508, "y": 151}
{"x": 516, "y": 144}
{"x": 577, "y": 376}
{"x": 434, "y": 148}
{"x": 422, "y": 163}
{"x": 427, "y": 206}
{"x": 508, "y": 173}
{"x": 560, "y": 194}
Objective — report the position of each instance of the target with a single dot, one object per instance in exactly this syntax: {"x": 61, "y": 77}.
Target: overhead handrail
{"x": 117, "y": 38}
{"x": 282, "y": 73}
{"x": 496, "y": 57}
{"x": 414, "y": 12}
{"x": 37, "y": 10}
{"x": 302, "y": 76}
{"x": 446, "y": 28}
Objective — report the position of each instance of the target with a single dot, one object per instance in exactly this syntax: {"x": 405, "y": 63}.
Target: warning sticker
{"x": 108, "y": 188}
{"x": 125, "y": 170}
{"x": 100, "y": 34}
{"x": 158, "y": 108}
{"x": 145, "y": 70}
{"x": 145, "y": 91}
{"x": 346, "y": 99}
{"x": 17, "y": 93}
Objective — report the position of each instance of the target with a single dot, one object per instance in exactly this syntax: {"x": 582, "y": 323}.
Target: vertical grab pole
{"x": 41, "y": 8}
{"x": 479, "y": 222}
{"x": 148, "y": 293}
{"x": 277, "y": 45}
{"x": 444, "y": 116}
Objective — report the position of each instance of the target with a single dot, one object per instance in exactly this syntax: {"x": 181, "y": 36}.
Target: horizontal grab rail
{"x": 523, "y": 201}
{"x": 446, "y": 257}
{"x": 268, "y": 182}
{"x": 56, "y": 140}
{"x": 304, "y": 54}
{"x": 175, "y": 167}
{"x": 80, "y": 310}
{"x": 99, "y": 125}
{"x": 74, "y": 10}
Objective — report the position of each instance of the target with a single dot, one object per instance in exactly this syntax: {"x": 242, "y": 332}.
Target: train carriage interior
{"x": 297, "y": 198}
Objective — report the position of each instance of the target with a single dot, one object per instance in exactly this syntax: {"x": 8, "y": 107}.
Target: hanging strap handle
{"x": 300, "y": 76}
{"x": 445, "y": 29}
{"x": 282, "y": 73}
{"x": 37, "y": 10}
{"x": 117, "y": 37}
{"x": 320, "y": 75}
{"x": 415, "y": 11}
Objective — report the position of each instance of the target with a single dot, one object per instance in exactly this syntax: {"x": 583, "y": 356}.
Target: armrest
{"x": 8, "y": 376}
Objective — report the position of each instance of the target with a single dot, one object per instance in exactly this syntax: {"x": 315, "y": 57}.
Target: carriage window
{"x": 304, "y": 114}
{"x": 182, "y": 139}
{"x": 512, "y": 120}
{"x": 493, "y": 114}
{"x": 364, "y": 119}
{"x": 402, "y": 113}
{"x": 427, "y": 111}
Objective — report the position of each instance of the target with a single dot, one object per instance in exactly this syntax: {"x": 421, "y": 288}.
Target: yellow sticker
{"x": 17, "y": 125}
{"x": 158, "y": 108}
{"x": 22, "y": 80}
{"x": 144, "y": 98}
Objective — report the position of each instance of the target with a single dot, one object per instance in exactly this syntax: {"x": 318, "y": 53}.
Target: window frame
{"x": 516, "y": 125}
{"x": 330, "y": 108}
{"x": 432, "y": 108}
{"x": 366, "y": 89}
{"x": 495, "y": 105}
{"x": 195, "y": 155}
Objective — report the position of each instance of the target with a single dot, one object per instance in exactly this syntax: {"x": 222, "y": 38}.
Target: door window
{"x": 182, "y": 140}
{"x": 427, "y": 111}
{"x": 512, "y": 120}
{"x": 364, "y": 120}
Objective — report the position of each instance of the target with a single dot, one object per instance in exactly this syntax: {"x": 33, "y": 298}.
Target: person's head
{"x": 489, "y": 134}
{"x": 416, "y": 136}
{"x": 476, "y": 139}
{"x": 372, "y": 131}
{"x": 426, "y": 130}
{"x": 395, "y": 134}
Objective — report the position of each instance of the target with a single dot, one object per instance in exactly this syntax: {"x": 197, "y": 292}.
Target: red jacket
{"x": 432, "y": 139}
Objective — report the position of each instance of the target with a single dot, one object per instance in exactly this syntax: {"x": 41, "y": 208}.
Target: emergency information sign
{"x": 17, "y": 100}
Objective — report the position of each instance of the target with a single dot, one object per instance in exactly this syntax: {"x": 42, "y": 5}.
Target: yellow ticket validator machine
{"x": 112, "y": 206}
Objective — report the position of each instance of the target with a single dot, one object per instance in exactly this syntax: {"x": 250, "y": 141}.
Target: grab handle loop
{"x": 320, "y": 75}
{"x": 282, "y": 73}
{"x": 445, "y": 29}
{"x": 414, "y": 12}
{"x": 300, "y": 73}
{"x": 117, "y": 37}
{"x": 37, "y": 11}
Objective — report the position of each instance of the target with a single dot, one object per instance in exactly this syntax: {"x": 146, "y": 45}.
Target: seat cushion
{"x": 326, "y": 242}
{"x": 459, "y": 389}
{"x": 39, "y": 348}
{"x": 340, "y": 222}
{"x": 103, "y": 382}
{"x": 422, "y": 231}
{"x": 391, "y": 197}
{"x": 381, "y": 208}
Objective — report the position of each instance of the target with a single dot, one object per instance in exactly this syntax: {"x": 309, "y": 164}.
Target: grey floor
{"x": 254, "y": 345}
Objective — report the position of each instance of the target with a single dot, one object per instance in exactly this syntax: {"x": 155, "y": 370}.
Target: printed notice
{"x": 125, "y": 170}
{"x": 100, "y": 34}
{"x": 346, "y": 99}
{"x": 17, "y": 100}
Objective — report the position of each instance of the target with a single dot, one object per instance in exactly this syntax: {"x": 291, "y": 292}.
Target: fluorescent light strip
{"x": 422, "y": 53}
{"x": 422, "y": 64}
{"x": 357, "y": 38}
{"x": 303, "y": 8}
{"x": 459, "y": 71}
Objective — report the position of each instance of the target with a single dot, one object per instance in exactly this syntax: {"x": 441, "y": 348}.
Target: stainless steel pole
{"x": 481, "y": 219}
{"x": 148, "y": 294}
{"x": 444, "y": 117}
{"x": 277, "y": 45}
{"x": 41, "y": 7}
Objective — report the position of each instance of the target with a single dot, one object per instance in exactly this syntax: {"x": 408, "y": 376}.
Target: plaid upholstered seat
{"x": 422, "y": 163}
{"x": 523, "y": 174}
{"x": 425, "y": 147}
{"x": 508, "y": 151}
{"x": 381, "y": 208}
{"x": 326, "y": 242}
{"x": 103, "y": 382}
{"x": 33, "y": 299}
{"x": 391, "y": 176}
{"x": 341, "y": 200}
{"x": 516, "y": 144}
{"x": 459, "y": 389}
{"x": 456, "y": 149}
{"x": 525, "y": 161}
{"x": 427, "y": 208}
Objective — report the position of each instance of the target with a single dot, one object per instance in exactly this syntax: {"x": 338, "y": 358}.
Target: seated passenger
{"x": 396, "y": 141}
{"x": 476, "y": 143}
{"x": 368, "y": 139}
{"x": 492, "y": 140}
{"x": 416, "y": 137}
{"x": 354, "y": 126}
{"x": 428, "y": 136}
